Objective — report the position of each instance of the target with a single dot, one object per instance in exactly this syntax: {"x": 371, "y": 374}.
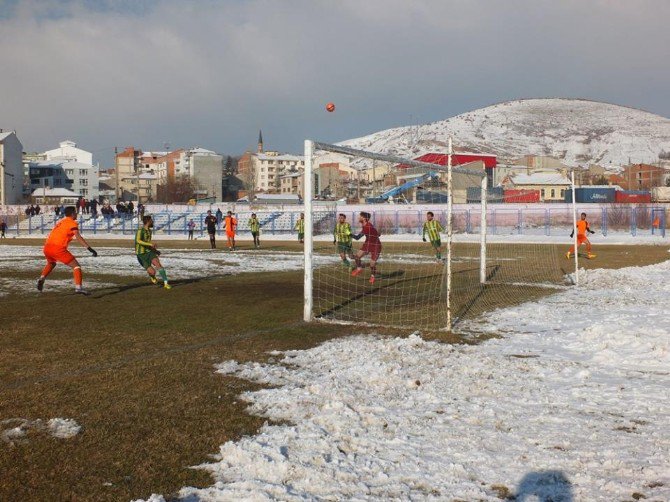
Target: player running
{"x": 230, "y": 224}
{"x": 582, "y": 228}
{"x": 342, "y": 237}
{"x": 210, "y": 221}
{"x": 433, "y": 228}
{"x": 300, "y": 227}
{"x": 147, "y": 254}
{"x": 371, "y": 246}
{"x": 255, "y": 227}
{"x": 55, "y": 249}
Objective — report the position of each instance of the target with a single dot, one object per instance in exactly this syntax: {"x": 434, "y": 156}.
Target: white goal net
{"x": 435, "y": 265}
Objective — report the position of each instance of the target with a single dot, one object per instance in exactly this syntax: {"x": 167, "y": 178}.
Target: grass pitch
{"x": 133, "y": 365}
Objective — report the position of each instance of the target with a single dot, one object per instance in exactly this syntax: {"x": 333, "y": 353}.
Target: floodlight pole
{"x": 309, "y": 241}
{"x": 574, "y": 226}
{"x": 483, "y": 229}
{"x": 450, "y": 196}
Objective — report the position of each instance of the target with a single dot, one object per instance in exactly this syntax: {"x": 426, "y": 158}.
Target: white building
{"x": 68, "y": 150}
{"x": 267, "y": 169}
{"x": 11, "y": 168}
{"x": 78, "y": 177}
{"x": 77, "y": 165}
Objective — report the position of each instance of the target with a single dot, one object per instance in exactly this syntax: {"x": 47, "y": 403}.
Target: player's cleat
{"x": 40, "y": 284}
{"x": 567, "y": 255}
{"x": 590, "y": 256}
{"x": 81, "y": 291}
{"x": 153, "y": 279}
{"x": 372, "y": 279}
{"x": 356, "y": 271}
{"x": 166, "y": 286}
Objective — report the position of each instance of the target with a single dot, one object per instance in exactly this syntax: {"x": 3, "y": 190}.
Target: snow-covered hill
{"x": 577, "y": 131}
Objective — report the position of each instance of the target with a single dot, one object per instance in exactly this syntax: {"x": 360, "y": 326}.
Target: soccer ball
{"x": 330, "y": 107}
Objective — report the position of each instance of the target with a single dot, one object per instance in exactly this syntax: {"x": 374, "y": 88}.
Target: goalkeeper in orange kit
{"x": 582, "y": 229}
{"x": 55, "y": 249}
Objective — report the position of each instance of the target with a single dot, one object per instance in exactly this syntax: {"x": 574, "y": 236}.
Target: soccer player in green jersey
{"x": 300, "y": 227}
{"x": 433, "y": 228}
{"x": 255, "y": 227}
{"x": 147, "y": 254}
{"x": 342, "y": 237}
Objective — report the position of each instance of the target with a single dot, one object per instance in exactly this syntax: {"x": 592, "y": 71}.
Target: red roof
{"x": 457, "y": 159}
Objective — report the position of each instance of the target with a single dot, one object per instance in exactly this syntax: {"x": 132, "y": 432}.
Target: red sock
{"x": 48, "y": 268}
{"x": 77, "y": 276}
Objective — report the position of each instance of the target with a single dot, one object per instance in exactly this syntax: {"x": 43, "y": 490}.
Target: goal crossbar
{"x": 353, "y": 152}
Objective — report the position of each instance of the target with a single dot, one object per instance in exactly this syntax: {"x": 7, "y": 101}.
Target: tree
{"x": 180, "y": 189}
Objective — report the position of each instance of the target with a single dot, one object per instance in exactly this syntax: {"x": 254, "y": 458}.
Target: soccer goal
{"x": 438, "y": 264}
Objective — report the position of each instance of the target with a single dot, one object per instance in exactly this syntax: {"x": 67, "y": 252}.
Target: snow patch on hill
{"x": 579, "y": 132}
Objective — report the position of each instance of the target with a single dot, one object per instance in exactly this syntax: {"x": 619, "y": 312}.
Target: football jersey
{"x": 62, "y": 233}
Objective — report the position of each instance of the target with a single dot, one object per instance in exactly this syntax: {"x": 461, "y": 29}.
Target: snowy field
{"x": 180, "y": 263}
{"x": 573, "y": 403}
{"x": 615, "y": 238}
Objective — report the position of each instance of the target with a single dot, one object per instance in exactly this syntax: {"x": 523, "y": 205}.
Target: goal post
{"x": 423, "y": 279}
{"x": 309, "y": 232}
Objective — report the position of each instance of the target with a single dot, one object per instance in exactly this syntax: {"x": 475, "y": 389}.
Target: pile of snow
{"x": 63, "y": 428}
{"x": 579, "y": 132}
{"x": 18, "y": 429}
{"x": 573, "y": 403}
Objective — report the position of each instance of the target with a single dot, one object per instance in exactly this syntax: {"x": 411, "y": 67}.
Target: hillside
{"x": 579, "y": 132}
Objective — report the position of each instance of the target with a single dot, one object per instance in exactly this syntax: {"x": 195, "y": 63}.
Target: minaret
{"x": 260, "y": 141}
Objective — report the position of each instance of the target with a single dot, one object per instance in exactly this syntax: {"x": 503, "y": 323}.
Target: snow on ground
{"x": 179, "y": 263}
{"x": 573, "y": 403}
{"x": 509, "y": 235}
{"x": 19, "y": 429}
{"x": 63, "y": 428}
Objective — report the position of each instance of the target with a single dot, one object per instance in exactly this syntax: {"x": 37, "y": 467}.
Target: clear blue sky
{"x": 211, "y": 73}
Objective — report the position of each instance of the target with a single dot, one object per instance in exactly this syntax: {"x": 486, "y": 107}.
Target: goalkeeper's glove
{"x": 92, "y": 251}
{"x": 357, "y": 236}
{"x": 591, "y": 231}
{"x": 424, "y": 239}
{"x": 158, "y": 253}
{"x": 572, "y": 234}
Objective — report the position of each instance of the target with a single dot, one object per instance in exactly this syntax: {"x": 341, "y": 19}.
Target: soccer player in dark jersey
{"x": 255, "y": 227}
{"x": 147, "y": 254}
{"x": 342, "y": 237}
{"x": 210, "y": 221}
{"x": 433, "y": 228}
{"x": 371, "y": 246}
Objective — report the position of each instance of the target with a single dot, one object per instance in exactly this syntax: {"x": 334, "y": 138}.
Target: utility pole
{"x": 116, "y": 173}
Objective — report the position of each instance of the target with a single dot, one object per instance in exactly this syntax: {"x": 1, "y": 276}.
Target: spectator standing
{"x": 3, "y": 229}
{"x": 219, "y": 215}
{"x": 191, "y": 227}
